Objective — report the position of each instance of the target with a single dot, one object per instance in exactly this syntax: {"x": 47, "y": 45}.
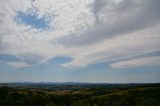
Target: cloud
{"x": 133, "y": 45}
{"x": 31, "y": 45}
{"x": 115, "y": 19}
{"x": 18, "y": 64}
{"x": 144, "y": 61}
{"x": 31, "y": 58}
{"x": 87, "y": 31}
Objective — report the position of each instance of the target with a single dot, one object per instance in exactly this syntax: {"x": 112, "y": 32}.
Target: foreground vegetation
{"x": 146, "y": 95}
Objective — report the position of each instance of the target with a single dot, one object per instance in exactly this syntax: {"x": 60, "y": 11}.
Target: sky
{"x": 107, "y": 41}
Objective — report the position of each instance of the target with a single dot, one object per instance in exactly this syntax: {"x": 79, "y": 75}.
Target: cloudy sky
{"x": 115, "y": 41}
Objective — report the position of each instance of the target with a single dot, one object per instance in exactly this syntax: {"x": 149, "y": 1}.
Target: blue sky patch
{"x": 8, "y": 58}
{"x": 32, "y": 20}
{"x": 60, "y": 60}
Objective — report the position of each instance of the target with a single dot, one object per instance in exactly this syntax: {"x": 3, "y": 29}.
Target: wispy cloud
{"x": 145, "y": 61}
{"x": 116, "y": 19}
{"x": 18, "y": 64}
{"x": 88, "y": 31}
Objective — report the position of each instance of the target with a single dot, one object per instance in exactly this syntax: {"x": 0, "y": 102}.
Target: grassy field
{"x": 96, "y": 95}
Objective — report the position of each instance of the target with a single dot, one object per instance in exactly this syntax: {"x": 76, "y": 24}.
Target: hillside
{"x": 146, "y": 95}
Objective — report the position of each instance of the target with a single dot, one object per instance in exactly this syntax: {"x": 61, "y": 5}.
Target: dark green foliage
{"x": 98, "y": 96}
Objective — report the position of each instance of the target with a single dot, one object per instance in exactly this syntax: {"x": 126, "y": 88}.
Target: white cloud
{"x": 121, "y": 47}
{"x": 145, "y": 61}
{"x": 124, "y": 29}
{"x": 22, "y": 40}
{"x": 18, "y": 64}
{"x": 115, "y": 19}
